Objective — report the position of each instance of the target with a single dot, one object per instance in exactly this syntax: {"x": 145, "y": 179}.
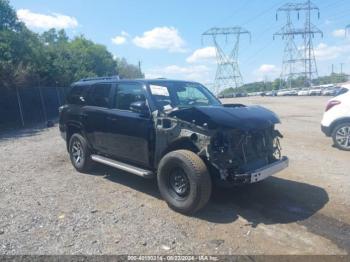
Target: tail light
{"x": 331, "y": 104}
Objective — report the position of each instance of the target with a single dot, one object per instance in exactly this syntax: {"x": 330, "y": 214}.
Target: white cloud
{"x": 123, "y": 33}
{"x": 326, "y": 52}
{"x": 339, "y": 33}
{"x": 202, "y": 54}
{"x": 267, "y": 69}
{"x": 119, "y": 40}
{"x": 161, "y": 38}
{"x": 36, "y": 20}
{"x": 200, "y": 73}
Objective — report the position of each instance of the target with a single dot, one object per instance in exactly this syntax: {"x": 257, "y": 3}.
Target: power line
{"x": 262, "y": 13}
{"x": 234, "y": 13}
{"x": 254, "y": 55}
{"x": 332, "y": 4}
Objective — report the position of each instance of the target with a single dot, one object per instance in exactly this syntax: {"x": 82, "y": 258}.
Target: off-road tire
{"x": 85, "y": 164}
{"x": 199, "y": 181}
{"x": 334, "y": 134}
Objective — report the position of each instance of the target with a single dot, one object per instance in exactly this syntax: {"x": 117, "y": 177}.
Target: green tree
{"x": 128, "y": 71}
{"x": 51, "y": 59}
{"x": 8, "y": 17}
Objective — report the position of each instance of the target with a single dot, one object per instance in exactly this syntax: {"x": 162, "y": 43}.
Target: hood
{"x": 228, "y": 116}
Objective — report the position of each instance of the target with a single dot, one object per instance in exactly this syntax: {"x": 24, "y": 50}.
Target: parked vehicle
{"x": 336, "y": 120}
{"x": 282, "y": 93}
{"x": 271, "y": 93}
{"x": 176, "y": 131}
{"x": 289, "y": 92}
{"x": 315, "y": 92}
{"x": 304, "y": 92}
{"x": 329, "y": 92}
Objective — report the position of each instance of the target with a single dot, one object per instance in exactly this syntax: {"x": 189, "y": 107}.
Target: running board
{"x": 122, "y": 166}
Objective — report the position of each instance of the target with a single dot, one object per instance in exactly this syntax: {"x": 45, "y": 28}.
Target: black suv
{"x": 176, "y": 131}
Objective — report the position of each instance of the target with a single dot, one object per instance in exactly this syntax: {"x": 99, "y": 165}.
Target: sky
{"x": 165, "y": 35}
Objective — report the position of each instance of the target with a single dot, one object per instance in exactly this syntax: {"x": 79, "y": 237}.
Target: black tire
{"x": 85, "y": 164}
{"x": 337, "y": 141}
{"x": 195, "y": 176}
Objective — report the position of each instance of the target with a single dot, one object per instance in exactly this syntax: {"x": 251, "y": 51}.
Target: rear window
{"x": 76, "y": 95}
{"x": 98, "y": 95}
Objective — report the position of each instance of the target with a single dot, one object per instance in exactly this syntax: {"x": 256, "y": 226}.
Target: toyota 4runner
{"x": 176, "y": 131}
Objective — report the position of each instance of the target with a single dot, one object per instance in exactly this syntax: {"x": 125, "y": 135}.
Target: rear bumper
{"x": 326, "y": 130}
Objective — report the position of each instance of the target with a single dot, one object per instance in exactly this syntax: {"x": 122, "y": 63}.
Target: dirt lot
{"x": 46, "y": 207}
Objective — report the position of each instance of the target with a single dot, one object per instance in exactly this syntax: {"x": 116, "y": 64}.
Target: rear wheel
{"x": 184, "y": 181}
{"x": 341, "y": 136}
{"x": 80, "y": 154}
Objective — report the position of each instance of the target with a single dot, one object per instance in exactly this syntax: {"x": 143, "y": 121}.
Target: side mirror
{"x": 140, "y": 107}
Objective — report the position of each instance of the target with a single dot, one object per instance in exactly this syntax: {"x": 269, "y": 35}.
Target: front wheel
{"x": 184, "y": 181}
{"x": 341, "y": 136}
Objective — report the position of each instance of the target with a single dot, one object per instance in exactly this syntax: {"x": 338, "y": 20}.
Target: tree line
{"x": 51, "y": 58}
{"x": 277, "y": 84}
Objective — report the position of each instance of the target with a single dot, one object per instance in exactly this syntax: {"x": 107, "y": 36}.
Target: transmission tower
{"x": 226, "y": 42}
{"x": 292, "y": 63}
{"x": 307, "y": 33}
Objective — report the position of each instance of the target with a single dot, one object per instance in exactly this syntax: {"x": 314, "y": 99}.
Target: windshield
{"x": 170, "y": 95}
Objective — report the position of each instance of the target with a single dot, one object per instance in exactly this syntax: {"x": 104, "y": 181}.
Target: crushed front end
{"x": 243, "y": 157}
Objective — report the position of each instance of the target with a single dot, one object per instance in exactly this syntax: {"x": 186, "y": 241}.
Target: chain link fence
{"x": 22, "y": 107}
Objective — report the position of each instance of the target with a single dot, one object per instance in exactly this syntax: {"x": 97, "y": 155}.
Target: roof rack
{"x": 99, "y": 78}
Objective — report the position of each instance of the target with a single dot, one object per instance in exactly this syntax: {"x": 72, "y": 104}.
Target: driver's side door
{"x": 130, "y": 132}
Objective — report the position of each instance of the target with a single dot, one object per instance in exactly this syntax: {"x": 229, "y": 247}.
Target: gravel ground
{"x": 46, "y": 207}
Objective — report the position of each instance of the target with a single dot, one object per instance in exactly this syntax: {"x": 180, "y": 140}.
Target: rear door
{"x": 95, "y": 115}
{"x": 131, "y": 133}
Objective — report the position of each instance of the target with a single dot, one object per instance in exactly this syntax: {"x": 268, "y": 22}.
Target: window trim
{"x": 114, "y": 95}
{"x": 110, "y": 97}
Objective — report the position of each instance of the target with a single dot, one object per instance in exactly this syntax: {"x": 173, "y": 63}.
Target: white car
{"x": 315, "y": 92}
{"x": 304, "y": 92}
{"x": 336, "y": 119}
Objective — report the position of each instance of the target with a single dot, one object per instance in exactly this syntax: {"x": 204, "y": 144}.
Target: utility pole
{"x": 307, "y": 33}
{"x": 139, "y": 65}
{"x": 226, "y": 42}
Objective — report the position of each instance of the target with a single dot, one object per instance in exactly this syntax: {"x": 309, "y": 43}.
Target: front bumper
{"x": 269, "y": 170}
{"x": 255, "y": 175}
{"x": 326, "y": 130}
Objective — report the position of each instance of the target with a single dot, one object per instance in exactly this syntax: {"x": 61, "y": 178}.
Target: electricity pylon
{"x": 292, "y": 63}
{"x": 307, "y": 33}
{"x": 226, "y": 42}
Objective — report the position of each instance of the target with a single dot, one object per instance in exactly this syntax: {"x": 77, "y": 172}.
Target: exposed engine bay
{"x": 234, "y": 152}
{"x": 234, "y": 140}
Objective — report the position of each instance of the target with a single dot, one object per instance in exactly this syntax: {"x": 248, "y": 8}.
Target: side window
{"x": 99, "y": 95}
{"x": 126, "y": 94}
{"x": 75, "y": 95}
{"x": 191, "y": 95}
